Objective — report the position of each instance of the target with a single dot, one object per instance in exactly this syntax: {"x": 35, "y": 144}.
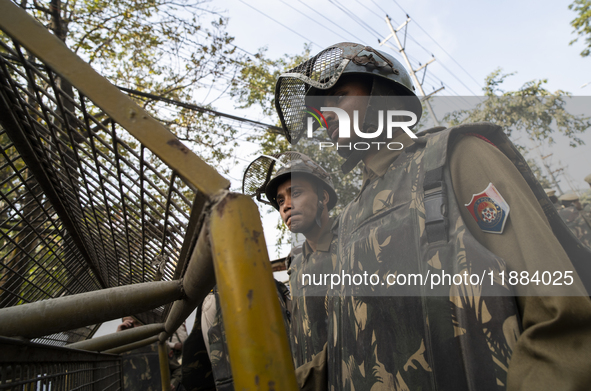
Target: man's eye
{"x": 295, "y": 193}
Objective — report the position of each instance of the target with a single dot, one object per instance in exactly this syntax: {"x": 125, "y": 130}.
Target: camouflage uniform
{"x": 579, "y": 222}
{"x": 197, "y": 373}
{"x": 141, "y": 369}
{"x": 309, "y": 317}
{"x": 458, "y": 338}
{"x": 410, "y": 218}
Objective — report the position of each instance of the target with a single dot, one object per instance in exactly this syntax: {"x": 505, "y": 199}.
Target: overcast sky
{"x": 528, "y": 37}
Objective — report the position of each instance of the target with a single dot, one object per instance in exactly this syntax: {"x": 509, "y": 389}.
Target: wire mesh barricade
{"x": 128, "y": 211}
{"x": 105, "y": 213}
{"x": 29, "y": 366}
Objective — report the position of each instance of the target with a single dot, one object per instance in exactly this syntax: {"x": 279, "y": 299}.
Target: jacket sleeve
{"x": 554, "y": 350}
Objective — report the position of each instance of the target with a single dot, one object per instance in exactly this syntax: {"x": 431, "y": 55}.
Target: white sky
{"x": 528, "y": 37}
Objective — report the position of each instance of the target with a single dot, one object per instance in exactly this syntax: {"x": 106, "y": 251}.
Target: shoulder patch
{"x": 489, "y": 209}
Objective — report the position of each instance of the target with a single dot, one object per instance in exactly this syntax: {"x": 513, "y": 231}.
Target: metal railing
{"x": 30, "y": 366}
{"x": 105, "y": 213}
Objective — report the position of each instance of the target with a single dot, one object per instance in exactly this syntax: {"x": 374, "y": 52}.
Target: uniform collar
{"x": 323, "y": 243}
{"x": 379, "y": 163}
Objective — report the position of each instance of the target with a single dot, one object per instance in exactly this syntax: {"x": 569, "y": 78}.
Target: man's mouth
{"x": 290, "y": 217}
{"x": 333, "y": 132}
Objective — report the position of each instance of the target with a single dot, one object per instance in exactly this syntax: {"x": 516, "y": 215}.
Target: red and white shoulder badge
{"x": 489, "y": 209}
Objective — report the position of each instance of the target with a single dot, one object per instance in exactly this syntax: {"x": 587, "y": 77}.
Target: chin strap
{"x": 320, "y": 206}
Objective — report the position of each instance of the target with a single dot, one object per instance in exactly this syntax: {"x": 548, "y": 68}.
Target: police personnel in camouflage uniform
{"x": 453, "y": 200}
{"x": 300, "y": 182}
{"x": 303, "y": 193}
{"x": 576, "y": 218}
{"x": 206, "y": 360}
{"x": 141, "y": 366}
{"x": 212, "y": 332}
{"x": 551, "y": 193}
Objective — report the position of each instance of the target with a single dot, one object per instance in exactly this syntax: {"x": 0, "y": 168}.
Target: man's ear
{"x": 326, "y": 197}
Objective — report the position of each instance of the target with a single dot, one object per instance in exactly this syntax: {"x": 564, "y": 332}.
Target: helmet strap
{"x": 320, "y": 207}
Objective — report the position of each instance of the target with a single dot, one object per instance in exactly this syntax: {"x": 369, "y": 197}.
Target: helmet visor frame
{"x": 321, "y": 72}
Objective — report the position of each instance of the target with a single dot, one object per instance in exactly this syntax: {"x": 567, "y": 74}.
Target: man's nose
{"x": 329, "y": 115}
{"x": 286, "y": 204}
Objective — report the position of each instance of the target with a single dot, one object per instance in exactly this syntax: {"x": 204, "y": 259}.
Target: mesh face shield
{"x": 322, "y": 72}
{"x": 263, "y": 175}
{"x": 261, "y": 171}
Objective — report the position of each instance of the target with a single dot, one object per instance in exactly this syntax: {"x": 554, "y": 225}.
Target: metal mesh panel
{"x": 27, "y": 366}
{"x": 39, "y": 258}
{"x": 322, "y": 72}
{"x": 67, "y": 337}
{"x": 260, "y": 172}
{"x": 257, "y": 175}
{"x": 84, "y": 205}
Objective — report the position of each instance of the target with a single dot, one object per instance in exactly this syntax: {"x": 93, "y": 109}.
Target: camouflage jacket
{"x": 412, "y": 337}
{"x": 141, "y": 369}
{"x": 197, "y": 374}
{"x": 579, "y": 222}
{"x": 308, "y": 333}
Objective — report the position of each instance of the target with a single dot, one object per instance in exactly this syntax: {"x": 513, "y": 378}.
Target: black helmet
{"x": 301, "y": 165}
{"x": 259, "y": 177}
{"x": 323, "y": 71}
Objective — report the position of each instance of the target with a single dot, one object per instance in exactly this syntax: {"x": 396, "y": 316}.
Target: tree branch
{"x": 39, "y": 7}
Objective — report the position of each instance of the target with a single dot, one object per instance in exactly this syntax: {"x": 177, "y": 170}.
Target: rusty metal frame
{"x": 72, "y": 183}
{"x": 257, "y": 341}
{"x": 114, "y": 340}
{"x": 223, "y": 240}
{"x": 49, "y": 316}
{"x": 155, "y": 136}
{"x": 31, "y": 366}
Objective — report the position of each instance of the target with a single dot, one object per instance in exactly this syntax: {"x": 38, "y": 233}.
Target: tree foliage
{"x": 531, "y": 109}
{"x": 582, "y": 24}
{"x": 260, "y": 74}
{"x": 177, "y": 49}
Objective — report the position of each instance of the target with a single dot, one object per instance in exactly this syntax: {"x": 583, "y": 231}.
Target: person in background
{"x": 140, "y": 364}
{"x": 176, "y": 340}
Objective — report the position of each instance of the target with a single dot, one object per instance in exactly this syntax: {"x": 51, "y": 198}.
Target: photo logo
{"x": 392, "y": 122}
{"x": 318, "y": 113}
